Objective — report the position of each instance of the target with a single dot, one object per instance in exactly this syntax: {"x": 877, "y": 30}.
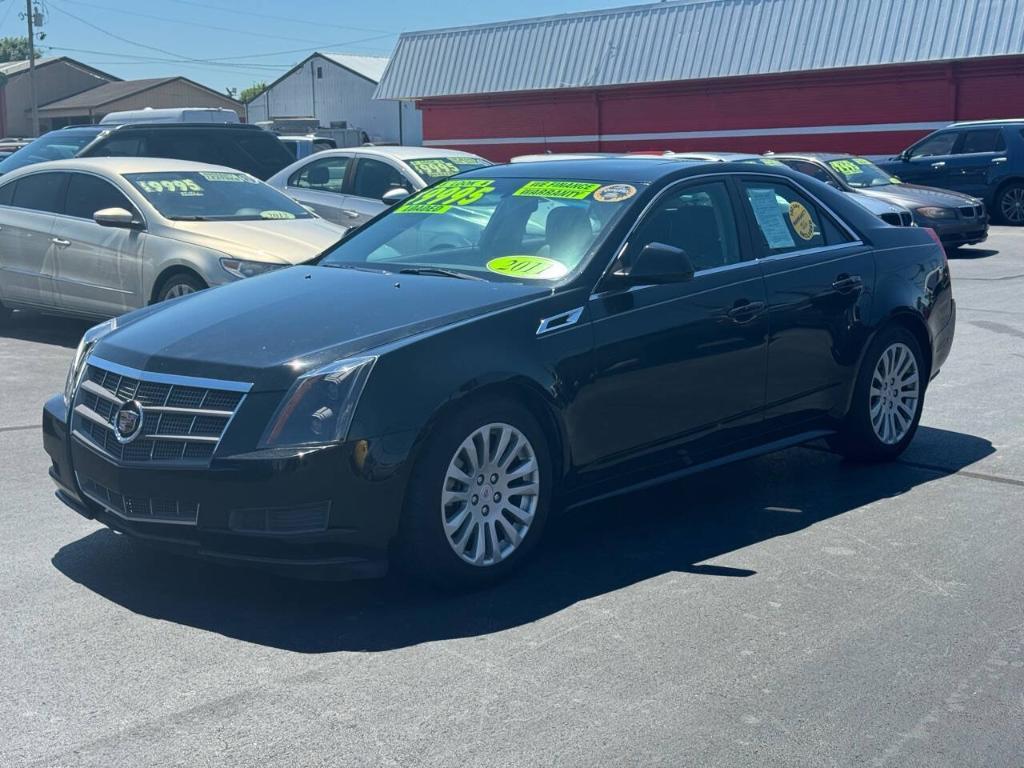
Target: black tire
{"x": 857, "y": 438}
{"x": 422, "y": 547}
{"x": 186, "y": 281}
{"x": 1009, "y": 208}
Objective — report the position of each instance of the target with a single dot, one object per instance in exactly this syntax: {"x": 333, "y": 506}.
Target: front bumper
{"x": 960, "y": 231}
{"x": 313, "y": 513}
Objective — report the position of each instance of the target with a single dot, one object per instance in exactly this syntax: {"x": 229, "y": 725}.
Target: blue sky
{"x": 224, "y": 43}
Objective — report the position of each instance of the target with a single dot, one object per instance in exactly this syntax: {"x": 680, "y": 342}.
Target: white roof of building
{"x": 370, "y": 67}
{"x": 696, "y": 39}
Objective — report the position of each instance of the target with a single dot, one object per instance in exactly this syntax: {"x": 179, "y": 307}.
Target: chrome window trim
{"x": 169, "y": 378}
{"x": 855, "y": 242}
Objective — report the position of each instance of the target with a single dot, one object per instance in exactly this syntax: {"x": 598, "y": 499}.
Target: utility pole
{"x": 30, "y": 16}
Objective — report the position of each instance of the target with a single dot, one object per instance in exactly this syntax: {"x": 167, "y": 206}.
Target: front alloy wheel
{"x": 1011, "y": 204}
{"x": 490, "y": 494}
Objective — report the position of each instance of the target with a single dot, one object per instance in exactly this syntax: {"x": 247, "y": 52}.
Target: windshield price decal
{"x": 467, "y": 160}
{"x": 276, "y": 215}
{"x": 561, "y": 190}
{"x": 527, "y": 267}
{"x": 846, "y": 167}
{"x": 185, "y": 187}
{"x": 440, "y": 197}
{"x": 861, "y": 161}
{"x": 436, "y": 167}
{"x": 225, "y": 176}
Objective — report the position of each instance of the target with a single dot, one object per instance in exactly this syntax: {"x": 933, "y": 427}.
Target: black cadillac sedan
{"x": 958, "y": 219}
{"x": 511, "y": 342}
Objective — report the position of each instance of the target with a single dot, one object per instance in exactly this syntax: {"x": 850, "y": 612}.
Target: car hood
{"x": 913, "y": 196}
{"x": 267, "y": 330}
{"x": 275, "y": 241}
{"x": 875, "y": 205}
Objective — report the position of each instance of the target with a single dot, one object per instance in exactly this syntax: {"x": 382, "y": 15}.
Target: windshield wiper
{"x": 188, "y": 218}
{"x": 439, "y": 271}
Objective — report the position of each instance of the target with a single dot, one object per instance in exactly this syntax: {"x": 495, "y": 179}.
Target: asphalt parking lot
{"x": 788, "y": 610}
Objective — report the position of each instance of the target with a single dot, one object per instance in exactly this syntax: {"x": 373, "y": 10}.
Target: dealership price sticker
{"x": 561, "y": 190}
{"x": 846, "y": 167}
{"x": 769, "y": 218}
{"x": 184, "y": 187}
{"x": 528, "y": 267}
{"x": 441, "y": 197}
{"x": 227, "y": 176}
{"x": 434, "y": 167}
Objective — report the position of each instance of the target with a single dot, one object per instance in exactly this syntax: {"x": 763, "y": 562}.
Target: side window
{"x": 7, "y": 193}
{"x": 373, "y": 178}
{"x": 986, "y": 140}
{"x": 121, "y": 146}
{"x": 787, "y": 220}
{"x": 698, "y": 219}
{"x": 938, "y": 144}
{"x": 88, "y": 194}
{"x": 813, "y": 170}
{"x": 41, "y": 192}
{"x": 326, "y": 174}
{"x": 256, "y": 152}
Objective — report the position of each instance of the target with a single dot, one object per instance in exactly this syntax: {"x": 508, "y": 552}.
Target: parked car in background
{"x": 9, "y": 146}
{"x": 983, "y": 159}
{"x": 304, "y": 146}
{"x": 243, "y": 147}
{"x": 172, "y": 115}
{"x": 347, "y": 186}
{"x": 98, "y": 237}
{"x": 958, "y": 219}
{"x": 663, "y": 318}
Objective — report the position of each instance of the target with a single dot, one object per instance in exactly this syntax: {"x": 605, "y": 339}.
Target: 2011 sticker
{"x": 560, "y": 190}
{"x": 614, "y": 193}
{"x": 802, "y": 222}
{"x": 527, "y": 267}
{"x": 276, "y": 215}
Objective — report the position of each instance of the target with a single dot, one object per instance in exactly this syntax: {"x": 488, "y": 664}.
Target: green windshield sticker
{"x": 895, "y": 180}
{"x": 527, "y": 267}
{"x": 861, "y": 161}
{"x": 440, "y": 197}
{"x": 845, "y": 167}
{"x": 436, "y": 167}
{"x": 276, "y": 215}
{"x": 562, "y": 190}
{"x": 771, "y": 161}
{"x": 459, "y": 160}
{"x": 184, "y": 187}
{"x": 226, "y": 176}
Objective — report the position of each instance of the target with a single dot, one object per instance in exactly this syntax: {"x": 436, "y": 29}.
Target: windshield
{"x": 214, "y": 196}
{"x": 490, "y": 228}
{"x": 432, "y": 169}
{"x": 860, "y": 172}
{"x": 55, "y": 145}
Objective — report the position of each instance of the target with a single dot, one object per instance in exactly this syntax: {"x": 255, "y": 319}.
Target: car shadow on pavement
{"x": 45, "y": 329}
{"x": 587, "y": 552}
{"x": 968, "y": 254}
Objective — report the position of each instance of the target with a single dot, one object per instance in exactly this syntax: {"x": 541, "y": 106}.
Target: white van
{"x": 172, "y": 115}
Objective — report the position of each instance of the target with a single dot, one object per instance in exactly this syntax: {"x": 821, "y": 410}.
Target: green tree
{"x": 250, "y": 93}
{"x": 15, "y": 49}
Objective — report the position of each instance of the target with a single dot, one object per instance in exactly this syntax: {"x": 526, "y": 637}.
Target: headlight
{"x": 931, "y": 212}
{"x": 242, "y": 268}
{"x": 89, "y": 339}
{"x": 318, "y": 409}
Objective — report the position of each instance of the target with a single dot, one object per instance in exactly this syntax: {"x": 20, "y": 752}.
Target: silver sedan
{"x": 96, "y": 237}
{"x": 351, "y": 186}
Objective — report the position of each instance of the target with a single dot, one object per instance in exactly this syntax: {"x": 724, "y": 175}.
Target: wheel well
{"x": 167, "y": 274}
{"x": 917, "y": 327}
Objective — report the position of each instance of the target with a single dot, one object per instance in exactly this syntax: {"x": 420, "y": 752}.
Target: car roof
{"x": 611, "y": 169}
{"x": 120, "y": 165}
{"x": 1005, "y": 121}
{"x": 405, "y": 153}
{"x": 716, "y": 156}
{"x": 821, "y": 156}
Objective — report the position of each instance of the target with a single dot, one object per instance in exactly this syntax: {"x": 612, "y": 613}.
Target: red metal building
{"x": 863, "y": 77}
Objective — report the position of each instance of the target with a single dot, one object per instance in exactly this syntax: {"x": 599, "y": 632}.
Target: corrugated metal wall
{"x": 337, "y": 95}
{"x": 875, "y": 110}
{"x": 689, "y": 40}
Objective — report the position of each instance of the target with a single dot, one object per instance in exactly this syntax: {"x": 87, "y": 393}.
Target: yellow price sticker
{"x": 561, "y": 190}
{"x": 440, "y": 197}
{"x": 527, "y": 267}
{"x": 845, "y": 167}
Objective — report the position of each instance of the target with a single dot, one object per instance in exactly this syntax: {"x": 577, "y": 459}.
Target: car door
{"x": 320, "y": 185}
{"x": 100, "y": 268}
{"x": 679, "y": 368}
{"x": 818, "y": 280}
{"x": 370, "y": 179}
{"x": 978, "y": 156}
{"x": 927, "y": 162}
{"x": 29, "y": 252}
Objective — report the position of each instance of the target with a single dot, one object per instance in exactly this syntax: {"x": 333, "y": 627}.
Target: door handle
{"x": 848, "y": 283}
{"x": 939, "y": 164}
{"x": 744, "y": 311}
{"x": 60, "y": 242}
{"x": 350, "y": 214}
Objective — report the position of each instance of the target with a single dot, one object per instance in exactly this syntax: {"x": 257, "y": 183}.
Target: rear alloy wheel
{"x": 180, "y": 285}
{"x": 1011, "y": 204}
{"x": 478, "y": 498}
{"x": 887, "y": 400}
